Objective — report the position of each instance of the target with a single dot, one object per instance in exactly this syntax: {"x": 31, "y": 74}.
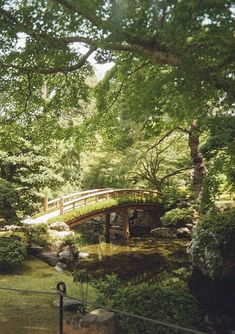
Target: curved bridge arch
{"x": 133, "y": 199}
{"x": 83, "y": 198}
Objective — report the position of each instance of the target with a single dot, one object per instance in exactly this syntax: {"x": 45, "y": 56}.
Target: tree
{"x": 164, "y": 161}
{"x": 169, "y": 102}
{"x": 176, "y": 50}
{"x": 169, "y": 32}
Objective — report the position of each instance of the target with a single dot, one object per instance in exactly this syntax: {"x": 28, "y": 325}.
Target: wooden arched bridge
{"x": 127, "y": 199}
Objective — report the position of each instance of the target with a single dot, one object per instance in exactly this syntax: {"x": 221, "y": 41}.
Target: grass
{"x": 23, "y": 313}
{"x": 108, "y": 203}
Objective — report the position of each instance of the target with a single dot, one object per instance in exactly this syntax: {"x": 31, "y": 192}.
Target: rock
{"x": 189, "y": 226}
{"x": 50, "y": 258}
{"x": 70, "y": 305}
{"x": 59, "y": 269}
{"x": 13, "y": 228}
{"x": 35, "y": 250}
{"x": 61, "y": 265}
{"x": 65, "y": 257}
{"x": 82, "y": 255}
{"x": 98, "y": 321}
{"x": 57, "y": 246}
{"x": 163, "y": 232}
{"x": 60, "y": 234}
{"x": 59, "y": 226}
{"x": 183, "y": 233}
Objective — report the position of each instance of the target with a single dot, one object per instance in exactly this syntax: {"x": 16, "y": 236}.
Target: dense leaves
{"x": 212, "y": 249}
{"x": 12, "y": 252}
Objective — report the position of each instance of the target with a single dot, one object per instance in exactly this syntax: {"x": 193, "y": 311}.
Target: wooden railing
{"x": 83, "y": 198}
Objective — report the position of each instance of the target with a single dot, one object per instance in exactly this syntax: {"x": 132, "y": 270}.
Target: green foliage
{"x": 36, "y": 234}
{"x": 106, "y": 288}
{"x": 161, "y": 303}
{"x": 177, "y": 217}
{"x": 212, "y": 249}
{"x": 219, "y": 154}
{"x": 114, "y": 202}
{"x": 12, "y": 252}
{"x": 73, "y": 242}
{"x": 82, "y": 279}
{"x": 91, "y": 232}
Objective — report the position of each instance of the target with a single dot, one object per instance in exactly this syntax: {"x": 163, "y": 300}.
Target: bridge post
{"x": 61, "y": 205}
{"x": 126, "y": 231}
{"x": 45, "y": 204}
{"x": 107, "y": 227}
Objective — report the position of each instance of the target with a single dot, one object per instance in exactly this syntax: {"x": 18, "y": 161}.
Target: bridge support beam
{"x": 45, "y": 204}
{"x": 126, "y": 231}
{"x": 61, "y": 205}
{"x": 107, "y": 227}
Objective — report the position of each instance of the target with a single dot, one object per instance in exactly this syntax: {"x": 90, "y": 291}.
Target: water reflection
{"x": 146, "y": 256}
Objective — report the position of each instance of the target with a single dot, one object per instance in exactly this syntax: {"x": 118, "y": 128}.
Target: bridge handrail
{"x": 74, "y": 194}
{"x": 100, "y": 194}
{"x": 48, "y": 204}
{"x": 96, "y": 194}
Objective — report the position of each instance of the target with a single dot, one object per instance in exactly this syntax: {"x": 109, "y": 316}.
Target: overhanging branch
{"x": 50, "y": 70}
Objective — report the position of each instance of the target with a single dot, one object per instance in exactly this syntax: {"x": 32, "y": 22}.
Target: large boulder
{"x": 57, "y": 246}
{"x": 98, "y": 322}
{"x": 35, "y": 250}
{"x": 163, "y": 232}
{"x": 65, "y": 257}
{"x": 60, "y": 234}
{"x": 50, "y": 258}
{"x": 212, "y": 249}
{"x": 183, "y": 233}
{"x": 70, "y": 305}
{"x": 59, "y": 226}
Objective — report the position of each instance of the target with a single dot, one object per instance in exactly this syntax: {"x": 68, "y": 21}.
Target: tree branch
{"x": 156, "y": 56}
{"x": 160, "y": 140}
{"x": 50, "y": 70}
{"x": 178, "y": 171}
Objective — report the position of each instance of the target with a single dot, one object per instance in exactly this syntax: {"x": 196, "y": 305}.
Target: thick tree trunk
{"x": 198, "y": 164}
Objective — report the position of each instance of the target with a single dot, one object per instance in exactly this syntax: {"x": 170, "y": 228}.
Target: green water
{"x": 143, "y": 258}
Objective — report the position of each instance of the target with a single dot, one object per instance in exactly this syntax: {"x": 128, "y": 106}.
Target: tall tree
{"x": 186, "y": 34}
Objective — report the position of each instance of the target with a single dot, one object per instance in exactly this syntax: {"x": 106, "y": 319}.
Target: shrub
{"x": 36, "y": 234}
{"x": 177, "y": 217}
{"x": 212, "y": 249}
{"x": 161, "y": 303}
{"x": 12, "y": 252}
{"x": 106, "y": 288}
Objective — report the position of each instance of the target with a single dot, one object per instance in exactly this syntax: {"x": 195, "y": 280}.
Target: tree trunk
{"x": 198, "y": 165}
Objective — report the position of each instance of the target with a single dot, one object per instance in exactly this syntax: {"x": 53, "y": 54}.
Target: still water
{"x": 142, "y": 258}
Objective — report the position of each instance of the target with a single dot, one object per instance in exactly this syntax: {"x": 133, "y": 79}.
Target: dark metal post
{"x": 61, "y": 288}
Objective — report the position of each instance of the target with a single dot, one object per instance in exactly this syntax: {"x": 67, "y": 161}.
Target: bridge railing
{"x": 90, "y": 197}
{"x": 56, "y": 203}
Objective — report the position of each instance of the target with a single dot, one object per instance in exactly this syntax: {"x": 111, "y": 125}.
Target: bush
{"x": 161, "y": 303}
{"x": 212, "y": 249}
{"x": 177, "y": 217}
{"x": 12, "y": 252}
{"x": 36, "y": 234}
{"x": 106, "y": 288}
